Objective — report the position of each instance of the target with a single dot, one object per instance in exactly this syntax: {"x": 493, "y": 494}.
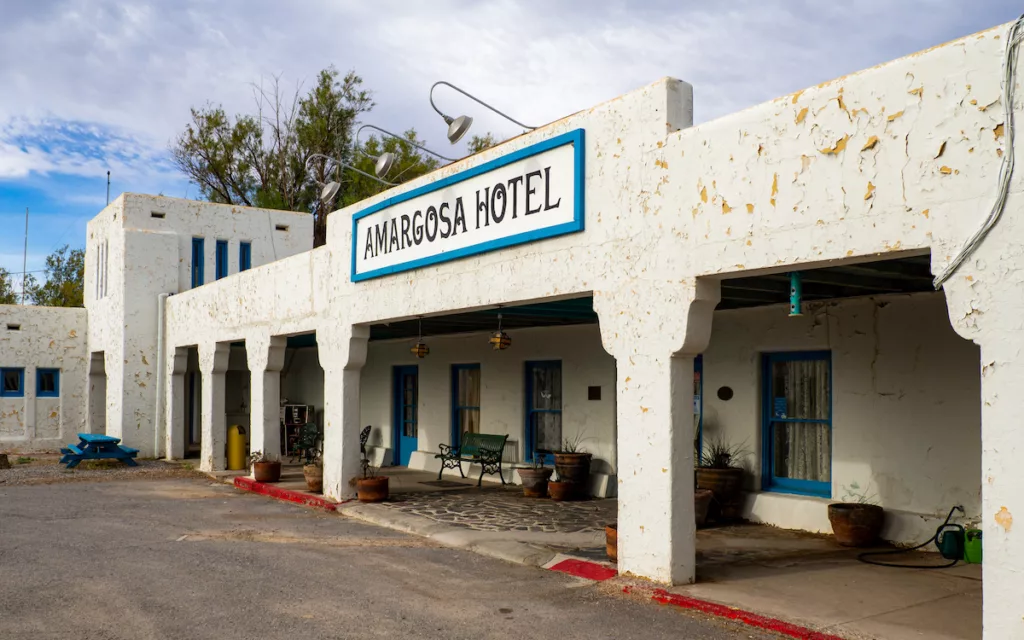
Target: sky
{"x": 90, "y": 86}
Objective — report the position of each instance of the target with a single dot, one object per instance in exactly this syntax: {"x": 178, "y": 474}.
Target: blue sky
{"x": 88, "y": 86}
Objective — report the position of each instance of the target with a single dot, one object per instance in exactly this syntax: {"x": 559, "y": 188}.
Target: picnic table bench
{"x": 93, "y": 446}
{"x": 484, "y": 449}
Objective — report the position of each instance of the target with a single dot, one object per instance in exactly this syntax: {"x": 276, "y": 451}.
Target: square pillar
{"x": 656, "y": 527}
{"x": 174, "y": 405}
{"x": 266, "y": 360}
{"x": 213, "y": 365}
{"x": 342, "y": 354}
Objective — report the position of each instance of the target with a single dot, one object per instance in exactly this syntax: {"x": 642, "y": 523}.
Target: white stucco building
{"x": 641, "y": 267}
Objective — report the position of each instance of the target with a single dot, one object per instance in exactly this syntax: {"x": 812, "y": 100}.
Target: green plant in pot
{"x": 857, "y": 521}
{"x": 535, "y": 478}
{"x": 372, "y": 487}
{"x": 264, "y": 468}
{"x": 572, "y": 464}
{"x": 718, "y": 474}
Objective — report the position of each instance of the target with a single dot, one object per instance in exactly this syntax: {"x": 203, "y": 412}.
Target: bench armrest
{"x": 448, "y": 451}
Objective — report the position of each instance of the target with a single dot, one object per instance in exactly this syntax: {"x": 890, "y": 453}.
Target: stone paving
{"x": 506, "y": 510}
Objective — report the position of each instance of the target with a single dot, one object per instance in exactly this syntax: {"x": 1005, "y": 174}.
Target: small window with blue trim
{"x": 244, "y": 256}
{"x": 197, "y": 262}
{"x": 797, "y": 440}
{"x": 222, "y": 259}
{"x": 12, "y": 383}
{"x": 543, "y": 408}
{"x": 48, "y": 383}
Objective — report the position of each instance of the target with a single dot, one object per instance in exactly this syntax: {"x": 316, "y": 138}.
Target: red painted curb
{"x": 584, "y": 569}
{"x": 288, "y": 495}
{"x": 745, "y": 617}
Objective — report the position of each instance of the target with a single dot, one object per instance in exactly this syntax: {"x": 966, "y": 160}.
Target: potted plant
{"x": 263, "y": 468}
{"x": 313, "y": 471}
{"x": 535, "y": 478}
{"x": 372, "y": 487}
{"x": 572, "y": 464}
{"x": 857, "y": 521}
{"x": 561, "y": 490}
{"x": 717, "y": 474}
{"x": 611, "y": 542}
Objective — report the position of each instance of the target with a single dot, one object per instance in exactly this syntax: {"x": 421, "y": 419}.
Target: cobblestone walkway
{"x": 507, "y": 510}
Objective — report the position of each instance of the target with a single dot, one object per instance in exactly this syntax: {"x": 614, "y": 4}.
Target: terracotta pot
{"x": 573, "y": 468}
{"x": 727, "y": 487}
{"x": 701, "y": 502}
{"x": 314, "y": 477}
{"x": 267, "y": 471}
{"x": 611, "y": 542}
{"x": 372, "y": 489}
{"x": 561, "y": 491}
{"x": 535, "y": 481}
{"x": 856, "y": 525}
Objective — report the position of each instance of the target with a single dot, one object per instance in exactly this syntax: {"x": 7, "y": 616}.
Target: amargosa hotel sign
{"x": 533, "y": 193}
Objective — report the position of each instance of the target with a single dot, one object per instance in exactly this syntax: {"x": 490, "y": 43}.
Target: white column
{"x": 342, "y": 352}
{"x": 174, "y": 404}
{"x": 213, "y": 364}
{"x": 266, "y": 359}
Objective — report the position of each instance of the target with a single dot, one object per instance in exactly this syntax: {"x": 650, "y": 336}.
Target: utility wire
{"x": 1013, "y": 41}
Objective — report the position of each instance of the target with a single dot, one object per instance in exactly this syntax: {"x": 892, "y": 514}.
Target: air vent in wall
{"x": 158, "y": 215}
{"x": 281, "y": 227}
{"x": 14, "y": 327}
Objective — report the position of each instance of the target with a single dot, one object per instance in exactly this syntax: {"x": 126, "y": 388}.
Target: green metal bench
{"x": 484, "y": 449}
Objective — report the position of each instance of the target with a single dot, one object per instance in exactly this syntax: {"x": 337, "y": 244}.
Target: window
{"x": 12, "y": 384}
{"x": 197, "y": 262}
{"x": 222, "y": 259}
{"x": 798, "y": 423}
{"x": 244, "y": 256}
{"x": 465, "y": 400}
{"x": 48, "y": 383}
{"x": 543, "y": 407}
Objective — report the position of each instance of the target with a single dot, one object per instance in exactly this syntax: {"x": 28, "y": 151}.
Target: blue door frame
{"x": 530, "y": 411}
{"x": 770, "y": 418}
{"x": 406, "y": 403}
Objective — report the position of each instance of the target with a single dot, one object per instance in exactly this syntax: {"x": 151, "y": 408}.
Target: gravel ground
{"x": 45, "y": 469}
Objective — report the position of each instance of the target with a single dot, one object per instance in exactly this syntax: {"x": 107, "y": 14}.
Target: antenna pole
{"x": 24, "y": 260}
{"x": 108, "y": 186}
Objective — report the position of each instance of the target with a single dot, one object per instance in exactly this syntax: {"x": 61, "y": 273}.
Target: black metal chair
{"x": 308, "y": 444}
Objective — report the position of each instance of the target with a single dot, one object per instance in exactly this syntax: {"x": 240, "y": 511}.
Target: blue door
{"x": 407, "y": 393}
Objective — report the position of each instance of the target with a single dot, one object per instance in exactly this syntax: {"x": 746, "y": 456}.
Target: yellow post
{"x": 236, "y": 448}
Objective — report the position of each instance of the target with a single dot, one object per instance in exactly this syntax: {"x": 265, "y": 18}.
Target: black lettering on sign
{"x": 406, "y": 240}
{"x": 368, "y": 252}
{"x": 513, "y": 185}
{"x": 482, "y": 206}
{"x": 498, "y": 197}
{"x": 547, "y": 191}
{"x": 380, "y": 238}
{"x": 393, "y": 245}
{"x": 432, "y": 216}
{"x": 460, "y": 216}
{"x": 530, "y": 191}
{"x": 417, "y": 228}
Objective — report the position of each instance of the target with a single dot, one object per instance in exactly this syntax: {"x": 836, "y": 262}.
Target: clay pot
{"x": 314, "y": 474}
{"x": 701, "y": 503}
{"x": 372, "y": 489}
{"x": 611, "y": 542}
{"x": 535, "y": 481}
{"x": 727, "y": 487}
{"x": 267, "y": 471}
{"x": 856, "y": 525}
{"x": 561, "y": 491}
{"x": 573, "y": 467}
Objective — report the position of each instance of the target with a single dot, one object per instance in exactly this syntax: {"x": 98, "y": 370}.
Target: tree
{"x": 263, "y": 159}
{"x": 7, "y": 293}
{"x": 65, "y": 280}
{"x": 477, "y": 144}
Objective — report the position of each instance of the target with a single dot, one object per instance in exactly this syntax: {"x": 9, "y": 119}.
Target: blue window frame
{"x": 465, "y": 400}
{"x": 222, "y": 259}
{"x": 197, "y": 262}
{"x": 797, "y": 423}
{"x": 47, "y": 383}
{"x": 12, "y": 383}
{"x": 244, "y": 256}
{"x": 543, "y": 408}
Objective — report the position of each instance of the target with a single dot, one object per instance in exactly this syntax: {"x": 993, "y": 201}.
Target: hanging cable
{"x": 1013, "y": 40}
{"x": 866, "y": 556}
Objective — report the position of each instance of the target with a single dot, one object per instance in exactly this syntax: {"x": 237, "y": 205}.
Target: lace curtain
{"x": 802, "y": 391}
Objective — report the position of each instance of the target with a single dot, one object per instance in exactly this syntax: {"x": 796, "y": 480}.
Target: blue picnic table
{"x": 92, "y": 446}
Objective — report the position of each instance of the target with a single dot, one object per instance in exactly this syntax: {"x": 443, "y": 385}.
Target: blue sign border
{"x": 574, "y": 137}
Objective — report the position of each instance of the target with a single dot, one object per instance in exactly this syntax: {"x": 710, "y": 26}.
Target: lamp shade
{"x": 329, "y": 191}
{"x": 385, "y": 161}
{"x": 458, "y": 128}
{"x": 500, "y": 341}
{"x": 420, "y": 350}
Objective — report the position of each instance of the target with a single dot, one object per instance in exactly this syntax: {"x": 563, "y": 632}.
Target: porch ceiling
{"x": 903, "y": 275}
